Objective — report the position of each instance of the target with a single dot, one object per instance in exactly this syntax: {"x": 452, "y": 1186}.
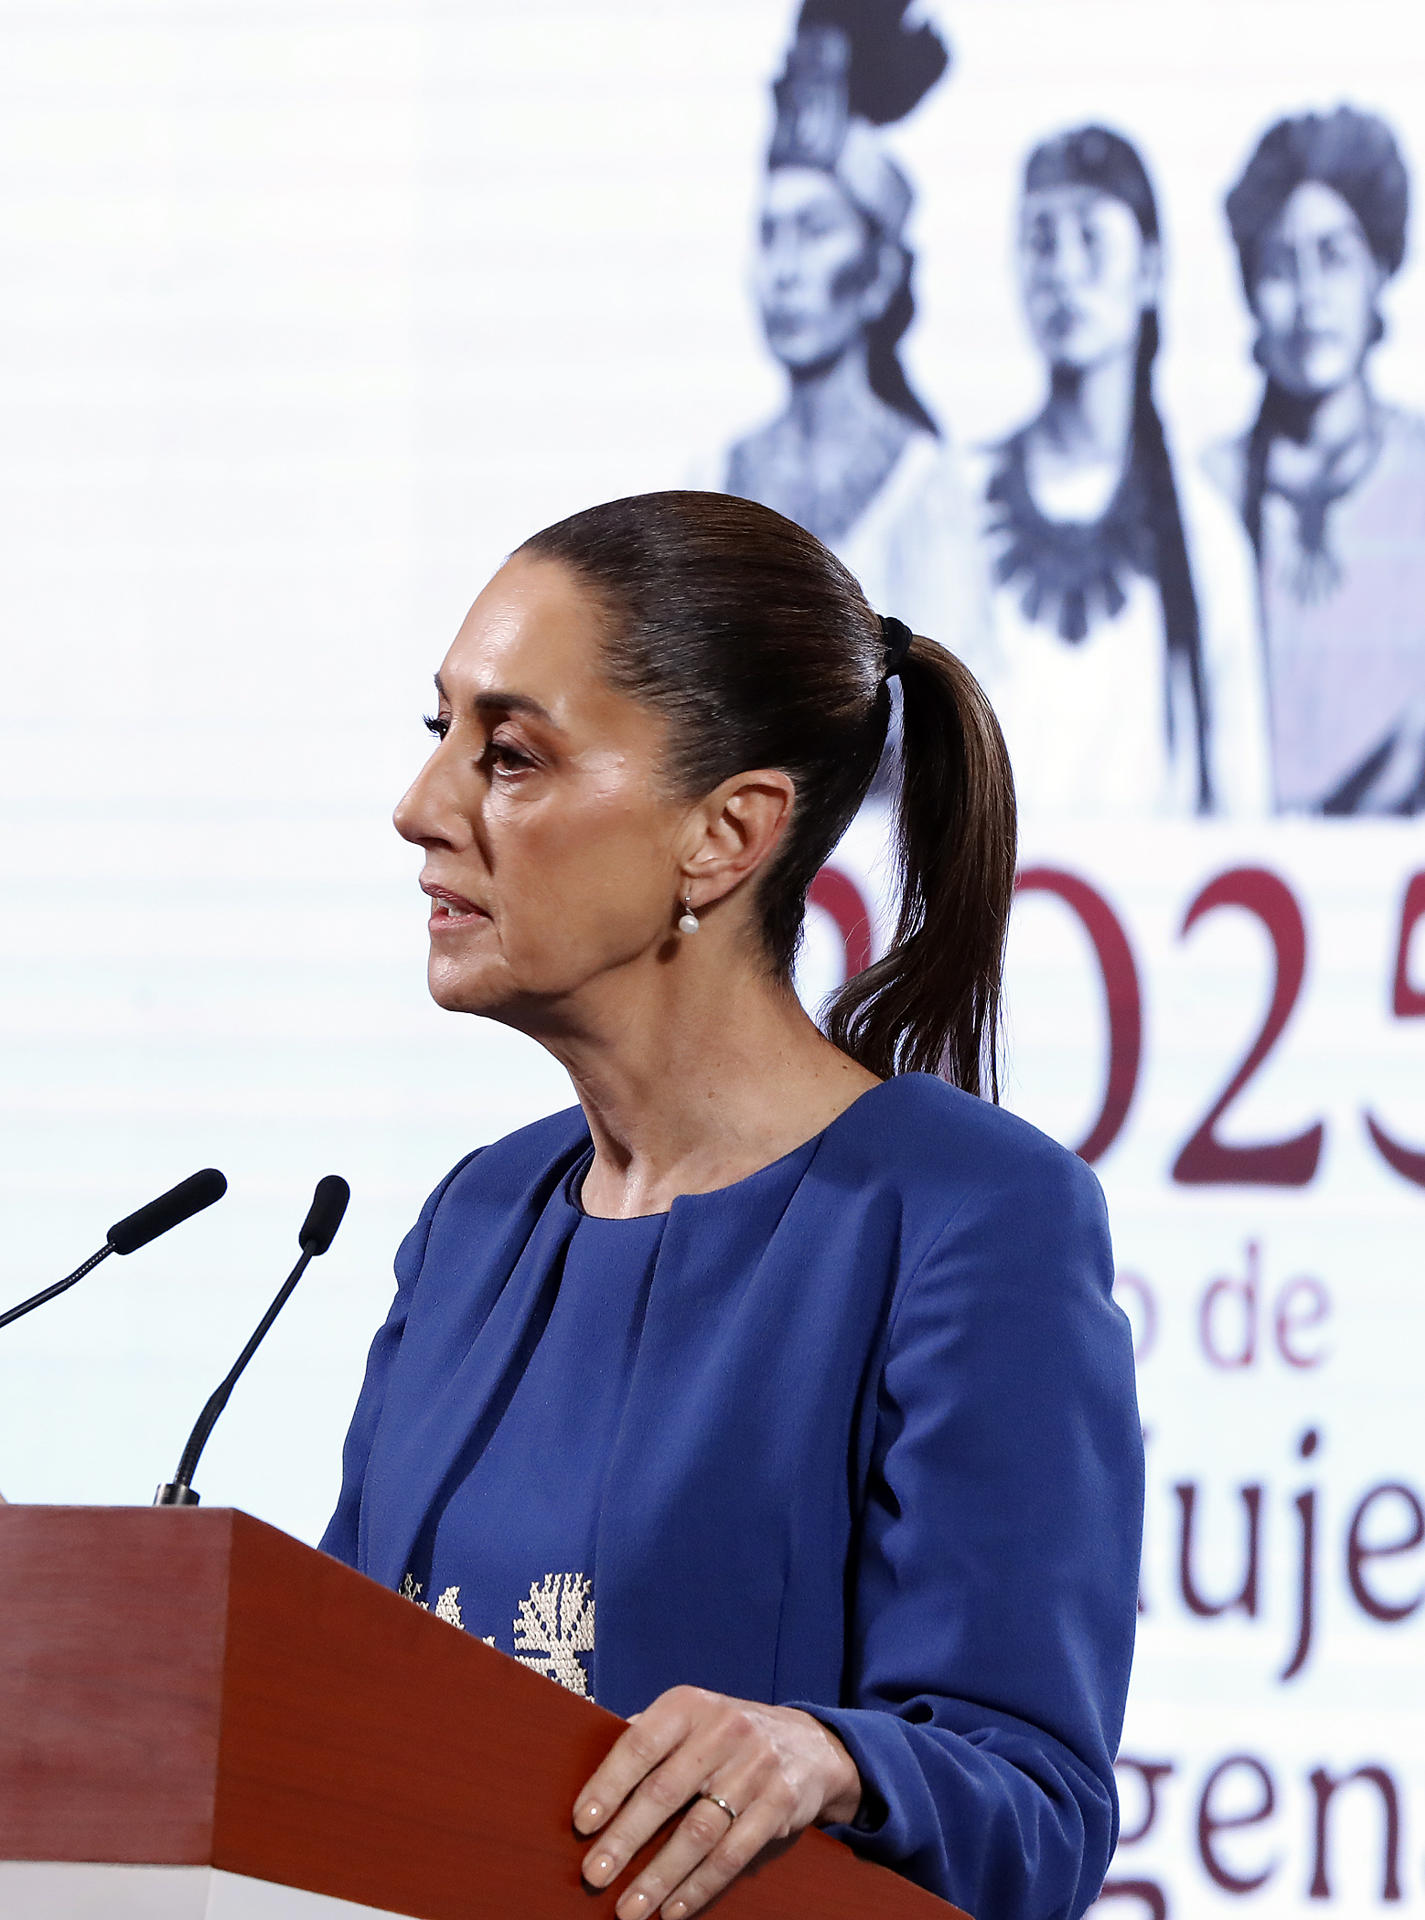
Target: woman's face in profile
{"x": 1315, "y": 292}
{"x": 550, "y": 844}
{"x": 820, "y": 278}
{"x": 1086, "y": 274}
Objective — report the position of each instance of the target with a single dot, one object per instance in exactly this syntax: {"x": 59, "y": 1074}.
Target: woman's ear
{"x": 1379, "y": 276}
{"x": 884, "y": 283}
{"x": 1150, "y": 274}
{"x": 735, "y": 831}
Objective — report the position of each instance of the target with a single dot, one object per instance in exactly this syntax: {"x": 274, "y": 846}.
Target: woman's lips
{"x": 451, "y": 910}
{"x": 1062, "y": 318}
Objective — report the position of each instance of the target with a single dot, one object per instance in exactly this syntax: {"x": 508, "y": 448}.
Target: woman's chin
{"x": 1082, "y": 349}
{"x": 1316, "y": 373}
{"x": 808, "y": 350}
{"x": 468, "y": 989}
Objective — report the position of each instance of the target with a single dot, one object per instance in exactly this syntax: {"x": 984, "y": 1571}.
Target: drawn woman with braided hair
{"x": 854, "y": 456}
{"x": 1129, "y": 671}
{"x": 1329, "y": 480}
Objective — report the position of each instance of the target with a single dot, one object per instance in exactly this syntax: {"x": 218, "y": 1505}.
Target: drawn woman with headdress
{"x": 855, "y": 455}
{"x": 1330, "y": 480}
{"x": 1129, "y": 675}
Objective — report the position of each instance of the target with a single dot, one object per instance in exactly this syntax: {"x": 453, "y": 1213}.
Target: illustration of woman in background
{"x": 855, "y": 456}
{"x": 1330, "y": 481}
{"x": 1129, "y": 676}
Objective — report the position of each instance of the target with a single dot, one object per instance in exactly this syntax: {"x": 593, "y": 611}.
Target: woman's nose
{"x": 1310, "y": 280}
{"x": 783, "y": 261}
{"x": 428, "y": 813}
{"x": 1067, "y": 262}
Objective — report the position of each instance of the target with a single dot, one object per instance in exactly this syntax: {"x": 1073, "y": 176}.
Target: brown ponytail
{"x": 759, "y": 649}
{"x": 931, "y": 1004}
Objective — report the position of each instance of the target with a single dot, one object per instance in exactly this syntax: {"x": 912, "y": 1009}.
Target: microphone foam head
{"x": 324, "y": 1215}
{"x": 190, "y": 1196}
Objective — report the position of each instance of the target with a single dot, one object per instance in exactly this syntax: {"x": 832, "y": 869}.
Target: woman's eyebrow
{"x": 511, "y": 703}
{"x": 1348, "y": 226}
{"x": 500, "y": 703}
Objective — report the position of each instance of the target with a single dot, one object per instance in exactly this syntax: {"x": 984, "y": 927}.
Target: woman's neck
{"x": 1078, "y": 448}
{"x": 833, "y": 400}
{"x": 1324, "y": 440}
{"x": 1325, "y": 421}
{"x": 692, "y": 1083}
{"x": 1088, "y": 417}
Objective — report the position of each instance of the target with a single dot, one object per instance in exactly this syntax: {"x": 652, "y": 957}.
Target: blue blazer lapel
{"x": 730, "y": 1498}
{"x": 485, "y": 1291}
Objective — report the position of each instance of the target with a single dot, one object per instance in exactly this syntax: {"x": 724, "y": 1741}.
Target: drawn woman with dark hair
{"x": 1128, "y": 677}
{"x": 854, "y": 456}
{"x": 1330, "y": 481}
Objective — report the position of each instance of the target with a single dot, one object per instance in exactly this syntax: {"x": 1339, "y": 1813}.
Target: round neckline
{"x": 574, "y": 1179}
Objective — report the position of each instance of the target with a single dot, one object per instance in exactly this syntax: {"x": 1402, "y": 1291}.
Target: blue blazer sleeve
{"x": 995, "y": 1586}
{"x": 341, "y": 1538}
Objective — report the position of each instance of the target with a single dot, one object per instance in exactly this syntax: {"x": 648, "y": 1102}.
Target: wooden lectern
{"x": 201, "y": 1717}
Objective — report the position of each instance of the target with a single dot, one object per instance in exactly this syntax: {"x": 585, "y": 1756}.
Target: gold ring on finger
{"x": 718, "y": 1801}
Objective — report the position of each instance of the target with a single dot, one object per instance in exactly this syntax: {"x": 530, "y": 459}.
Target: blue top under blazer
{"x": 880, "y": 1459}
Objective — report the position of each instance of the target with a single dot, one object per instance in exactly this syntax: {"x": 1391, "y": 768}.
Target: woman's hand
{"x": 778, "y": 1769}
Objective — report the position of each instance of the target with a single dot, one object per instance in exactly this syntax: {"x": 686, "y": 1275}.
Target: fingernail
{"x": 599, "y": 1869}
{"x": 632, "y": 1905}
{"x": 588, "y": 1816}
{"x": 676, "y": 1910}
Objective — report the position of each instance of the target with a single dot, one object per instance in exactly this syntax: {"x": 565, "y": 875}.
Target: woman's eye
{"x": 506, "y": 758}
{"x": 1335, "y": 252}
{"x": 1275, "y": 263}
{"x": 436, "y": 724}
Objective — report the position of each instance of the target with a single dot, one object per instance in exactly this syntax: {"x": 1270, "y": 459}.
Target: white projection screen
{"x": 312, "y": 312}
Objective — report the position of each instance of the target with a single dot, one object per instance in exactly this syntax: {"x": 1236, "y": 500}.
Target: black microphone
{"x": 318, "y": 1231}
{"x": 135, "y": 1230}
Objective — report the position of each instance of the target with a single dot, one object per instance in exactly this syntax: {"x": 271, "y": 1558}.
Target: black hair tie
{"x": 897, "y": 637}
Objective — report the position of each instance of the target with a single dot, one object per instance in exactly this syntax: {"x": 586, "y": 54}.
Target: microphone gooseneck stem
{"x": 178, "y": 1492}
{"x": 324, "y": 1216}
{"x": 60, "y": 1286}
{"x": 135, "y": 1230}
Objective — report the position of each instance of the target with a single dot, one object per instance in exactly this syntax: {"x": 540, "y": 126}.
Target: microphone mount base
{"x": 175, "y": 1493}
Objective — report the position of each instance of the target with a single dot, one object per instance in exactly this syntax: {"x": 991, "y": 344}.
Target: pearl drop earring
{"x": 687, "y": 919}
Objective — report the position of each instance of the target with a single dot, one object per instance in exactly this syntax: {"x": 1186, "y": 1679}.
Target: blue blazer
{"x": 880, "y": 1459}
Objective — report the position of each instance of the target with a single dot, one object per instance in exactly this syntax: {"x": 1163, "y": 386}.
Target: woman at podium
{"x": 773, "y": 1393}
